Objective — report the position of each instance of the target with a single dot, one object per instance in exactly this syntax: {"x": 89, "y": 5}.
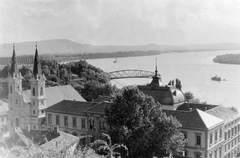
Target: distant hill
{"x": 63, "y": 46}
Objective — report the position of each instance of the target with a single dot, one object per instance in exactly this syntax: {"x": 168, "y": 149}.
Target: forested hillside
{"x": 28, "y": 59}
{"x": 227, "y": 59}
{"x": 89, "y": 81}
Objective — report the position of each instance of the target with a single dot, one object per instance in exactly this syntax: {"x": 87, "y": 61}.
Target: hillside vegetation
{"x": 227, "y": 59}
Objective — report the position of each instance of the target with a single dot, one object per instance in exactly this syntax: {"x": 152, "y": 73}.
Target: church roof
{"x": 195, "y": 119}
{"x": 57, "y": 94}
{"x": 223, "y": 113}
{"x": 14, "y": 68}
{"x": 36, "y": 65}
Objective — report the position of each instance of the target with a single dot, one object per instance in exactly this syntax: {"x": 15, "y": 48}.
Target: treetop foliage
{"x": 139, "y": 123}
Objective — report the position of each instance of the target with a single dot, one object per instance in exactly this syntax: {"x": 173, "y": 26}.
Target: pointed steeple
{"x": 14, "y": 68}
{"x": 155, "y": 78}
{"x": 37, "y": 72}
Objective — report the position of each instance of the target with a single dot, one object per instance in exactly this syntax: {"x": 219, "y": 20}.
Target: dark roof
{"x": 70, "y": 107}
{"x": 37, "y": 65}
{"x": 60, "y": 93}
{"x": 14, "y": 68}
{"x": 192, "y": 106}
{"x": 167, "y": 95}
{"x": 99, "y": 108}
{"x": 223, "y": 113}
{"x": 195, "y": 119}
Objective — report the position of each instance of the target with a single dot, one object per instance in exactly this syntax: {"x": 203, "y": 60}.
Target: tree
{"x": 188, "y": 96}
{"x": 108, "y": 147}
{"x": 139, "y": 123}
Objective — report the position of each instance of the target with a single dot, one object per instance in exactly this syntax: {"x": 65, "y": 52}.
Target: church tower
{"x": 14, "y": 77}
{"x": 14, "y": 94}
{"x": 38, "y": 92}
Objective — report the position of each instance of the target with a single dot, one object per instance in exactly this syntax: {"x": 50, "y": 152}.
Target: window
{"x": 83, "y": 123}
{"x": 49, "y": 118}
{"x": 33, "y": 91}
{"x": 33, "y": 111}
{"x": 90, "y": 124}
{"x": 216, "y": 136}
{"x": 74, "y": 121}
{"x": 34, "y": 127}
{"x": 11, "y": 89}
{"x": 57, "y": 120}
{"x": 16, "y": 101}
{"x": 211, "y": 139}
{"x": 198, "y": 140}
{"x": 18, "y": 88}
{"x": 42, "y": 102}
{"x": 220, "y": 133}
{"x": 235, "y": 129}
{"x": 41, "y": 91}
{"x": 43, "y": 111}
{"x": 232, "y": 132}
{"x": 65, "y": 121}
{"x": 33, "y": 102}
{"x": 229, "y": 133}
{"x": 99, "y": 125}
{"x": 215, "y": 153}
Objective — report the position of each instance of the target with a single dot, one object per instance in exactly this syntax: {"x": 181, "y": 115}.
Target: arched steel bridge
{"x": 120, "y": 74}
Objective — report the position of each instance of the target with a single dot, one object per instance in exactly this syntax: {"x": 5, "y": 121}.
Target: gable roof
{"x": 223, "y": 113}
{"x": 99, "y": 108}
{"x": 70, "y": 107}
{"x": 61, "y": 143}
{"x": 195, "y": 119}
{"x": 192, "y": 106}
{"x": 57, "y": 94}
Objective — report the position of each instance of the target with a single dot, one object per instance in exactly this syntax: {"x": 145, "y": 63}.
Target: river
{"x": 194, "y": 69}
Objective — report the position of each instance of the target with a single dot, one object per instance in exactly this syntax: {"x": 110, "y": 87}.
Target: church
{"x": 27, "y": 107}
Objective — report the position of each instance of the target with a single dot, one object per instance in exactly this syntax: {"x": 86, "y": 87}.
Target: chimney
{"x": 56, "y": 130}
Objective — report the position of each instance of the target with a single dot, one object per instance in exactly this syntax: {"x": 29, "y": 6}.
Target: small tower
{"x": 14, "y": 77}
{"x": 38, "y": 93}
{"x": 156, "y": 78}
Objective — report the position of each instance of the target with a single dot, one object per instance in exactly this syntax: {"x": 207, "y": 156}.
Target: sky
{"x": 121, "y": 22}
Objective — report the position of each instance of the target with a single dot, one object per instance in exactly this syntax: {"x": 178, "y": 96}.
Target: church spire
{"x": 14, "y": 68}
{"x": 155, "y": 78}
{"x": 36, "y": 65}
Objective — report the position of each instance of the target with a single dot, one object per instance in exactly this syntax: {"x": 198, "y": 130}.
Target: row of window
{"x": 11, "y": 89}
{"x": 34, "y": 91}
{"x": 92, "y": 122}
{"x": 215, "y": 137}
{"x": 232, "y": 144}
{"x": 217, "y": 153}
{"x": 232, "y": 132}
{"x": 197, "y": 138}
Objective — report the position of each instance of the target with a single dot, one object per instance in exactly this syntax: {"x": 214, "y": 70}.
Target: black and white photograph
{"x": 119, "y": 78}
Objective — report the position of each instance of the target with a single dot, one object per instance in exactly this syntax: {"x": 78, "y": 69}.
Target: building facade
{"x": 78, "y": 118}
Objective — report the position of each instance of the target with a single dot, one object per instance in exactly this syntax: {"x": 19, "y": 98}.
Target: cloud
{"x": 121, "y": 21}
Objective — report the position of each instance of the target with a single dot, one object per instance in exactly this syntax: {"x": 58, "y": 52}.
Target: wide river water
{"x": 194, "y": 69}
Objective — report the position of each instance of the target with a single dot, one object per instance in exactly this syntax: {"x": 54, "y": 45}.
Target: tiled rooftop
{"x": 223, "y": 113}
{"x": 70, "y": 107}
{"x": 195, "y": 119}
{"x": 192, "y": 106}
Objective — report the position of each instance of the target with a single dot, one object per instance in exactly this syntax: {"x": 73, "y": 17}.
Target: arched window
{"x": 18, "y": 88}
{"x": 41, "y": 91}
{"x": 11, "y": 89}
{"x": 33, "y": 91}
